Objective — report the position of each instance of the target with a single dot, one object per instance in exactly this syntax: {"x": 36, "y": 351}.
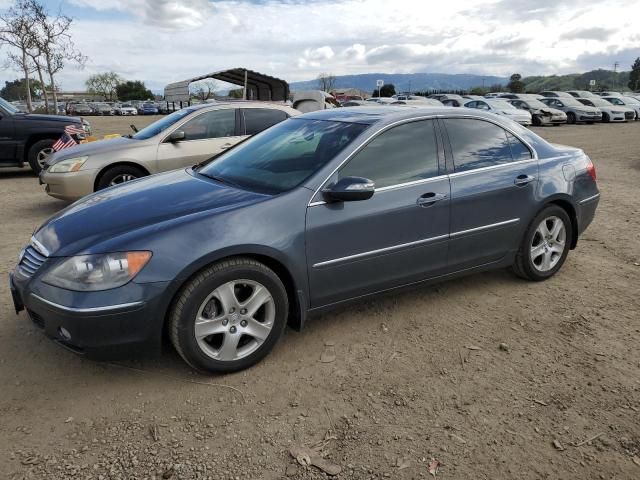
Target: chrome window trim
{"x": 380, "y": 250}
{"x": 39, "y": 247}
{"x": 588, "y": 199}
{"x": 460, "y": 233}
{"x": 420, "y": 118}
{"x": 106, "y": 308}
{"x": 492, "y": 167}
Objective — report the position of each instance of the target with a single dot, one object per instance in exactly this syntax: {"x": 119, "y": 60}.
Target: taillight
{"x": 591, "y": 170}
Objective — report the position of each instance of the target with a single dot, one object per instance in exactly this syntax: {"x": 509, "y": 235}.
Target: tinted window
{"x": 258, "y": 119}
{"x": 477, "y": 144}
{"x": 159, "y": 126}
{"x": 282, "y": 157}
{"x": 213, "y": 124}
{"x": 519, "y": 150}
{"x": 403, "y": 154}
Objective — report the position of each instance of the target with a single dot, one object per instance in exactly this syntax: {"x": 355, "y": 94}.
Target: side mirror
{"x": 350, "y": 189}
{"x": 177, "y": 136}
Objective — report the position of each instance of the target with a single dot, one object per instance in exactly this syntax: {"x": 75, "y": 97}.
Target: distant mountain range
{"x": 408, "y": 81}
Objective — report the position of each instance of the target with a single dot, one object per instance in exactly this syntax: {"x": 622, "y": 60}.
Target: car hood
{"x": 94, "y": 148}
{"x": 153, "y": 201}
{"x": 48, "y": 118}
{"x": 586, "y": 108}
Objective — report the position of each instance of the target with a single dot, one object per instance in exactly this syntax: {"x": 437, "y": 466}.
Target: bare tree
{"x": 16, "y": 30}
{"x": 104, "y": 84}
{"x": 326, "y": 82}
{"x": 205, "y": 89}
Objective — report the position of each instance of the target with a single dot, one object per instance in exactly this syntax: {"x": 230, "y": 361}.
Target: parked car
{"x": 576, "y": 112}
{"x": 541, "y": 114}
{"x": 79, "y": 109}
{"x": 555, "y": 94}
{"x": 501, "y": 107}
{"x": 29, "y": 138}
{"x": 125, "y": 109}
{"x": 322, "y": 209}
{"x": 382, "y": 100}
{"x": 628, "y": 102}
{"x": 101, "y": 109}
{"x": 148, "y": 109}
{"x": 610, "y": 113}
{"x": 454, "y": 102}
{"x": 494, "y": 94}
{"x": 179, "y": 140}
{"x": 582, "y": 94}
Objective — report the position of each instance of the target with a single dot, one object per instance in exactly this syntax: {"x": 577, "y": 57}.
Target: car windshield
{"x": 8, "y": 106}
{"x": 533, "y": 103}
{"x": 161, "y": 125}
{"x": 570, "y": 102}
{"x": 615, "y": 101}
{"x": 600, "y": 102}
{"x": 148, "y": 105}
{"x": 631, "y": 100}
{"x": 283, "y": 156}
{"x": 503, "y": 104}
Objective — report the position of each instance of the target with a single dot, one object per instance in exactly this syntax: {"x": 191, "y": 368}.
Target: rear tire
{"x": 606, "y": 118}
{"x": 229, "y": 316}
{"x": 38, "y": 154}
{"x": 118, "y": 175}
{"x": 571, "y": 118}
{"x": 545, "y": 245}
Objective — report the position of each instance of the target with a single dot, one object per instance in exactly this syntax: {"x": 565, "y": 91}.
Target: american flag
{"x": 65, "y": 141}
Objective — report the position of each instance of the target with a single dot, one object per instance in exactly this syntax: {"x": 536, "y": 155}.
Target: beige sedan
{"x": 179, "y": 140}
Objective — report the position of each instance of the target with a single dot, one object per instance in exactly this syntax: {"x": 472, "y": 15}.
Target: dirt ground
{"x": 417, "y": 377}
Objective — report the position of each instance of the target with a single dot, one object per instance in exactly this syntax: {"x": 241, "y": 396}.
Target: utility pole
{"x": 615, "y": 73}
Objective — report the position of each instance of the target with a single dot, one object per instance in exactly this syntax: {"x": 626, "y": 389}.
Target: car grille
{"x": 31, "y": 261}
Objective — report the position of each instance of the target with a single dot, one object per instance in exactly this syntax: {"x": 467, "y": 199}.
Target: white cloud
{"x": 160, "y": 41}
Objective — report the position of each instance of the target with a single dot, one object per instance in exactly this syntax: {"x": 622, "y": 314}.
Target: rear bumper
{"x": 587, "y": 211}
{"x": 117, "y": 329}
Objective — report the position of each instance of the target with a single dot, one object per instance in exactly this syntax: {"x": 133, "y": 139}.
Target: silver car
{"x": 576, "y": 111}
{"x": 184, "y": 138}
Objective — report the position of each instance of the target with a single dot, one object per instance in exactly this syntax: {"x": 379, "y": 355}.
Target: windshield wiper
{"x": 219, "y": 179}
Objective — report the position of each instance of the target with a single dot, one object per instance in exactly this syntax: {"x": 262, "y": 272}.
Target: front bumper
{"x": 122, "y": 323}
{"x": 69, "y": 186}
{"x": 590, "y": 118}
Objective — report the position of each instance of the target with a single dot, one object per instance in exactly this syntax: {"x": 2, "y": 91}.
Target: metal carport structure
{"x": 256, "y": 85}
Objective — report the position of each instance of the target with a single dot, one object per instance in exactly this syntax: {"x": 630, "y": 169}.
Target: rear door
{"x": 493, "y": 176}
{"x": 399, "y": 235}
{"x": 206, "y": 134}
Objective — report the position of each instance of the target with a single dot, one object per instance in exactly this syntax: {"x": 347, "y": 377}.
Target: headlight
{"x": 68, "y": 165}
{"x": 97, "y": 272}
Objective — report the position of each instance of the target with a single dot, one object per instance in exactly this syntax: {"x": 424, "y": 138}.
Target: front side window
{"x": 284, "y": 156}
{"x": 477, "y": 144}
{"x": 213, "y": 124}
{"x": 259, "y": 119}
{"x": 405, "y": 153}
{"x": 161, "y": 125}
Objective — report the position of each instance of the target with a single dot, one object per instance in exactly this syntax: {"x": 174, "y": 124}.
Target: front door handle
{"x": 522, "y": 180}
{"x": 429, "y": 199}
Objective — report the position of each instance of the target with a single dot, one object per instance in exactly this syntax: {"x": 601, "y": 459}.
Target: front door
{"x": 493, "y": 184}
{"x": 398, "y": 236}
{"x": 206, "y": 135}
{"x": 7, "y": 138}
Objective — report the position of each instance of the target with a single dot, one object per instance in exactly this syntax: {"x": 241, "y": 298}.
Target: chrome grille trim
{"x": 32, "y": 259}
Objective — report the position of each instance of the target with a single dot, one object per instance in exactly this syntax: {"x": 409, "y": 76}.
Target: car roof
{"x": 390, "y": 114}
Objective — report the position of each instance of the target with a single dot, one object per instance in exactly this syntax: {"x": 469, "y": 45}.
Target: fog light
{"x": 64, "y": 334}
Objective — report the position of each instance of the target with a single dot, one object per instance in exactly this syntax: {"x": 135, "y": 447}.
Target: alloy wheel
{"x": 234, "y": 320}
{"x": 123, "y": 178}
{"x": 548, "y": 244}
{"x": 42, "y": 156}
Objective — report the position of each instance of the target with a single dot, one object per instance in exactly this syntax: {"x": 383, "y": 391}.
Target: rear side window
{"x": 405, "y": 153}
{"x": 213, "y": 124}
{"x": 519, "y": 151}
{"x": 259, "y": 119}
{"x": 477, "y": 144}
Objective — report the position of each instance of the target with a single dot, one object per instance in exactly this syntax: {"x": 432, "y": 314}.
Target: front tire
{"x": 118, "y": 175}
{"x": 38, "y": 154}
{"x": 606, "y": 118}
{"x": 229, "y": 316}
{"x": 571, "y": 118}
{"x": 545, "y": 245}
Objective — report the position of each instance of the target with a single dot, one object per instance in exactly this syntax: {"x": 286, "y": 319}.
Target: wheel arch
{"x": 128, "y": 163}
{"x": 266, "y": 256}
{"x": 565, "y": 202}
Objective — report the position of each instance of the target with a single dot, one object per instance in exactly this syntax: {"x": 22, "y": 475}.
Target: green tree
{"x": 478, "y": 91}
{"x": 387, "y": 90}
{"x": 634, "y": 75}
{"x": 17, "y": 89}
{"x": 235, "y": 93}
{"x": 133, "y": 90}
{"x": 104, "y": 84}
{"x": 516, "y": 85}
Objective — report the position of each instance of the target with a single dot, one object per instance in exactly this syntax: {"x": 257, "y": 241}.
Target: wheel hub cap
{"x": 548, "y": 244}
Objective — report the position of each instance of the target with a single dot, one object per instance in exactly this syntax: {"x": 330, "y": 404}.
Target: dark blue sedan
{"x": 322, "y": 209}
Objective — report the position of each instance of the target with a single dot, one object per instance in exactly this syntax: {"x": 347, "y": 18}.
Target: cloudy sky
{"x": 160, "y": 41}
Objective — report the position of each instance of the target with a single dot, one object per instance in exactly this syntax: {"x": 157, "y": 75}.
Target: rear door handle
{"x": 429, "y": 199}
{"x": 522, "y": 180}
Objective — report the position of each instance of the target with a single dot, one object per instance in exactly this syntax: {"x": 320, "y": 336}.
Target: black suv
{"x": 29, "y": 138}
